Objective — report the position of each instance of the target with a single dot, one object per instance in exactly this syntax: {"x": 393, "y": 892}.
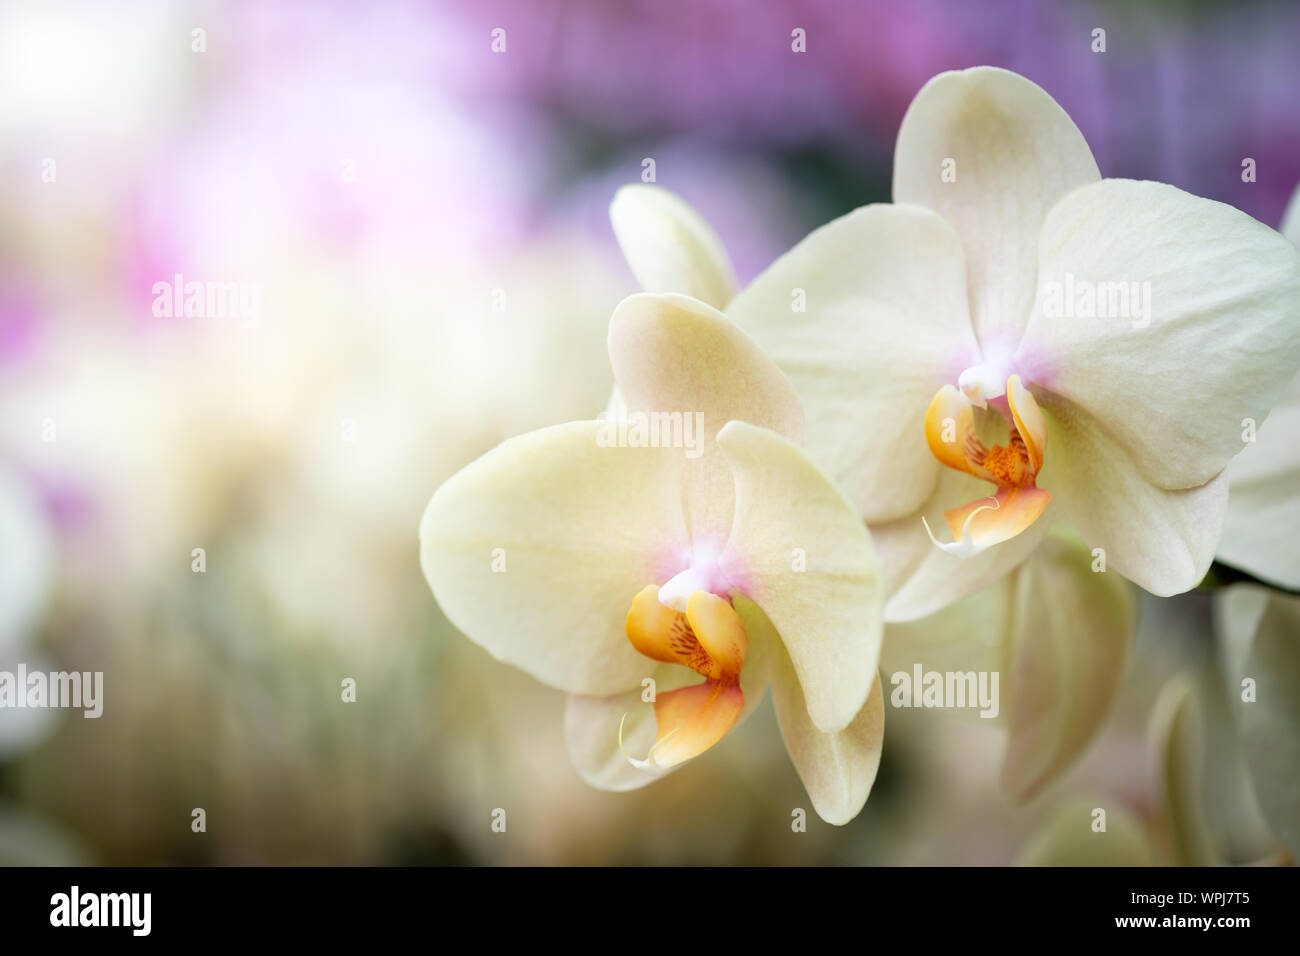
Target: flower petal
{"x": 837, "y": 769}
{"x": 1262, "y": 528}
{"x": 1194, "y": 330}
{"x": 669, "y": 246}
{"x": 592, "y": 726}
{"x": 993, "y": 519}
{"x": 950, "y": 432}
{"x": 1269, "y": 725}
{"x": 1058, "y": 636}
{"x": 649, "y": 626}
{"x": 1161, "y": 540}
{"x": 674, "y": 355}
{"x": 968, "y": 635}
{"x": 1068, "y": 839}
{"x": 1014, "y": 153}
{"x": 692, "y": 719}
{"x": 1290, "y": 226}
{"x": 886, "y": 324}
{"x": 1029, "y": 421}
{"x": 800, "y": 552}
{"x": 922, "y": 579}
{"x": 1067, "y": 651}
{"x": 536, "y": 550}
{"x": 717, "y": 627}
{"x": 1176, "y": 736}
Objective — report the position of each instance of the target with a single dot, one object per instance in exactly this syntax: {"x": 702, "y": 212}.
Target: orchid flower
{"x": 1016, "y": 331}
{"x": 1263, "y": 519}
{"x": 1060, "y": 671}
{"x": 665, "y": 587}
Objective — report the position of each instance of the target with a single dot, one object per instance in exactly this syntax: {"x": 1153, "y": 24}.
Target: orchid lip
{"x": 964, "y": 546}
{"x": 648, "y": 762}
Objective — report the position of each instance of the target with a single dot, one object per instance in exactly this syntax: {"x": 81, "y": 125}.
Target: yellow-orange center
{"x": 710, "y": 639}
{"x": 1012, "y": 468}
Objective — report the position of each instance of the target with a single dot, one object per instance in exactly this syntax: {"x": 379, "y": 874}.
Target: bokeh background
{"x": 381, "y": 173}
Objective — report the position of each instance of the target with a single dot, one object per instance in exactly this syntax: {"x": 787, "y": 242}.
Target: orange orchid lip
{"x": 709, "y": 639}
{"x": 1013, "y": 469}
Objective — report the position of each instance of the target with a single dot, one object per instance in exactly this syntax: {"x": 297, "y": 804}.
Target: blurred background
{"x": 425, "y": 223}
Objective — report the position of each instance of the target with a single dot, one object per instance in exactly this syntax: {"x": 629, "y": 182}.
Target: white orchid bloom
{"x": 1116, "y": 332}
{"x": 595, "y": 563}
{"x": 1263, "y": 520}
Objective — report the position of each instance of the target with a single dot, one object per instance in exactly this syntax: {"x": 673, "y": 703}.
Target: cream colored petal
{"x": 536, "y": 550}
{"x": 1056, "y": 634}
{"x": 1071, "y": 629}
{"x": 1161, "y": 540}
{"x": 868, "y": 317}
{"x": 800, "y": 552}
{"x": 1014, "y": 153}
{"x": 1290, "y": 226}
{"x": 1068, "y": 838}
{"x": 1261, "y": 533}
{"x": 1028, "y": 419}
{"x": 591, "y": 730}
{"x": 686, "y": 362}
{"x": 950, "y": 432}
{"x": 1237, "y": 613}
{"x": 1177, "y": 741}
{"x": 837, "y": 769}
{"x": 920, "y": 579}
{"x": 993, "y": 519}
{"x": 1192, "y": 326}
{"x": 1264, "y": 627}
{"x": 669, "y": 246}
{"x": 967, "y": 636}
